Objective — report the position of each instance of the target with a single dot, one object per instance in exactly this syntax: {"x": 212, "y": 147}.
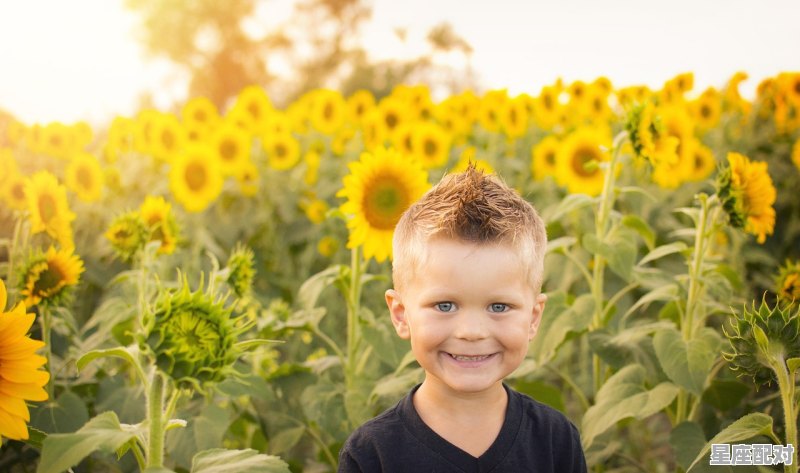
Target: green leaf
{"x": 386, "y": 345}
{"x": 687, "y": 439}
{"x": 725, "y": 394}
{"x": 793, "y": 364}
{"x": 560, "y": 243}
{"x": 542, "y": 392}
{"x": 662, "y": 251}
{"x": 661, "y": 293}
{"x": 567, "y": 205}
{"x": 119, "y": 352}
{"x": 310, "y": 290}
{"x": 624, "y": 396}
{"x": 35, "y": 438}
{"x": 623, "y": 254}
{"x": 248, "y": 345}
{"x": 687, "y": 364}
{"x": 636, "y": 223}
{"x": 572, "y": 320}
{"x": 63, "y": 451}
{"x": 286, "y": 439}
{"x": 66, "y": 414}
{"x": 394, "y": 386}
{"x": 220, "y": 460}
{"x": 744, "y": 428}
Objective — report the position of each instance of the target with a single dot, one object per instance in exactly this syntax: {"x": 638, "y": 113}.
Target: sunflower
{"x": 168, "y": 137}
{"x": 145, "y": 125}
{"x": 312, "y": 160}
{"x": 47, "y": 277}
{"x": 196, "y": 178}
{"x": 543, "y": 157}
{"x": 747, "y": 194}
{"x": 48, "y": 208}
{"x": 578, "y": 159}
{"x": 56, "y": 140}
{"x": 84, "y": 177}
{"x": 315, "y": 210}
{"x": 788, "y": 282}
{"x": 21, "y": 379}
{"x": 380, "y": 187}
{"x": 647, "y": 135}
{"x": 547, "y": 108}
{"x": 283, "y": 151}
{"x": 200, "y": 112}
{"x": 373, "y": 133}
{"x": 157, "y": 215}
{"x": 431, "y": 145}
{"x": 514, "y": 117}
{"x": 120, "y": 139}
{"x": 127, "y": 234}
{"x": 392, "y": 113}
{"x": 707, "y": 109}
{"x": 491, "y": 107}
{"x": 359, "y": 104}
{"x": 232, "y": 147}
{"x": 248, "y": 179}
{"x": 327, "y": 246}
{"x": 14, "y": 192}
{"x": 468, "y": 157}
{"x": 403, "y": 137}
{"x": 595, "y": 105}
{"x": 328, "y": 111}
{"x": 733, "y": 99}
{"x": 252, "y": 106}
{"x": 670, "y": 173}
{"x": 704, "y": 162}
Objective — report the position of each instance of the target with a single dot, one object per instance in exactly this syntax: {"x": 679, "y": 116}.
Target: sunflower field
{"x": 201, "y": 290}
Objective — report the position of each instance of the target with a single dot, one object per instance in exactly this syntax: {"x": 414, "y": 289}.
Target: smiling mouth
{"x": 469, "y": 357}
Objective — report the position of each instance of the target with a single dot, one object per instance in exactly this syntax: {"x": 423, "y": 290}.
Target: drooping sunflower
{"x": 578, "y": 159}
{"x": 21, "y": 379}
{"x": 543, "y": 157}
{"x": 232, "y": 147}
{"x": 283, "y": 151}
{"x": 157, "y": 214}
{"x": 48, "y": 208}
{"x": 431, "y": 145}
{"x": 195, "y": 178}
{"x": 84, "y": 177}
{"x": 45, "y": 278}
{"x": 328, "y": 111}
{"x": 380, "y": 187}
{"x": 748, "y": 195}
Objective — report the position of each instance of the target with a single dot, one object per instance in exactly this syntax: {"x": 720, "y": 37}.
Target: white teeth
{"x": 470, "y": 358}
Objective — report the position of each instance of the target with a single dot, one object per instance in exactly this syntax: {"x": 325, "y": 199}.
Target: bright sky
{"x": 79, "y": 60}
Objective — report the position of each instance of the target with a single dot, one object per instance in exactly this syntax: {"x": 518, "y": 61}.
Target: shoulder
{"x": 367, "y": 445}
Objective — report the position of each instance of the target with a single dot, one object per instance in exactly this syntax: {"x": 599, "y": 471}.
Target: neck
{"x": 434, "y": 397}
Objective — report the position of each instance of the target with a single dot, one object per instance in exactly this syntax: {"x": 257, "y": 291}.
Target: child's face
{"x": 469, "y": 312}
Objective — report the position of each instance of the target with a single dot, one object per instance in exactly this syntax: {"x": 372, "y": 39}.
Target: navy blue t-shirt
{"x": 534, "y": 438}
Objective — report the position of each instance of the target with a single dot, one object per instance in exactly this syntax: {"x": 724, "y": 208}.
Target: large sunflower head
{"x": 579, "y": 159}
{"x": 157, "y": 215}
{"x": 21, "y": 380}
{"x": 762, "y": 339}
{"x": 128, "y": 235}
{"x": 196, "y": 178}
{"x": 192, "y": 336}
{"x": 85, "y": 177}
{"x": 747, "y": 195}
{"x": 380, "y": 187}
{"x": 46, "y": 278}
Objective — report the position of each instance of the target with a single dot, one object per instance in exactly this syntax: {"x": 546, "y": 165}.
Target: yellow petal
{"x": 29, "y": 392}
{"x": 3, "y": 296}
{"x": 21, "y": 348}
{"x": 24, "y": 376}
{"x": 32, "y": 362}
{"x": 15, "y": 406}
{"x": 12, "y": 427}
{"x": 16, "y": 326}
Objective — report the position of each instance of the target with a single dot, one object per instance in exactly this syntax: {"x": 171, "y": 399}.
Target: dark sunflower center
{"x": 49, "y": 280}
{"x": 548, "y": 101}
{"x": 254, "y": 110}
{"x": 200, "y": 115}
{"x": 550, "y": 158}
{"x": 327, "y": 111}
{"x": 512, "y": 116}
{"x": 281, "y": 151}
{"x": 391, "y": 120}
{"x": 431, "y": 147}
{"x": 385, "y": 200}
{"x": 581, "y": 158}
{"x": 705, "y": 111}
{"x": 196, "y": 177}
{"x": 168, "y": 139}
{"x": 18, "y": 191}
{"x": 47, "y": 207}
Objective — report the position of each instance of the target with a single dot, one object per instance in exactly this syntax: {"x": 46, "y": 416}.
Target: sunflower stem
{"x": 12, "y": 249}
{"x": 787, "y": 389}
{"x": 598, "y": 269}
{"x": 155, "y": 417}
{"x": 695, "y": 285}
{"x": 353, "y": 301}
{"x": 46, "y": 326}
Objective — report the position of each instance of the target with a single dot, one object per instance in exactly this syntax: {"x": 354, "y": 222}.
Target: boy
{"x": 467, "y": 271}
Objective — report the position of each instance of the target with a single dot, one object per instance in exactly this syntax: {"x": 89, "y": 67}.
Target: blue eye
{"x": 445, "y": 306}
{"x": 498, "y": 307}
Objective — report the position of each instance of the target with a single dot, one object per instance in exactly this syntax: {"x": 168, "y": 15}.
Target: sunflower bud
{"x": 128, "y": 234}
{"x": 761, "y": 339}
{"x": 192, "y": 336}
{"x": 788, "y": 282}
{"x": 241, "y": 270}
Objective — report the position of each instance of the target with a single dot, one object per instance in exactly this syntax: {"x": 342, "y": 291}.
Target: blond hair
{"x": 471, "y": 207}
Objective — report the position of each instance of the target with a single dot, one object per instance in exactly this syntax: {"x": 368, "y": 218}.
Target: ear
{"x": 398, "y": 312}
{"x": 538, "y": 309}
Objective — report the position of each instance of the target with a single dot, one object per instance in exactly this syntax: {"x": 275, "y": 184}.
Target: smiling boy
{"x": 467, "y": 270}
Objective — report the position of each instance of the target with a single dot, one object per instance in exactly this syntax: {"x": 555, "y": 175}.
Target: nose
{"x": 471, "y": 325}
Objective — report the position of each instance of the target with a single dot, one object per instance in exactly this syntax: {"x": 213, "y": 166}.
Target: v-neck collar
{"x": 459, "y": 458}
